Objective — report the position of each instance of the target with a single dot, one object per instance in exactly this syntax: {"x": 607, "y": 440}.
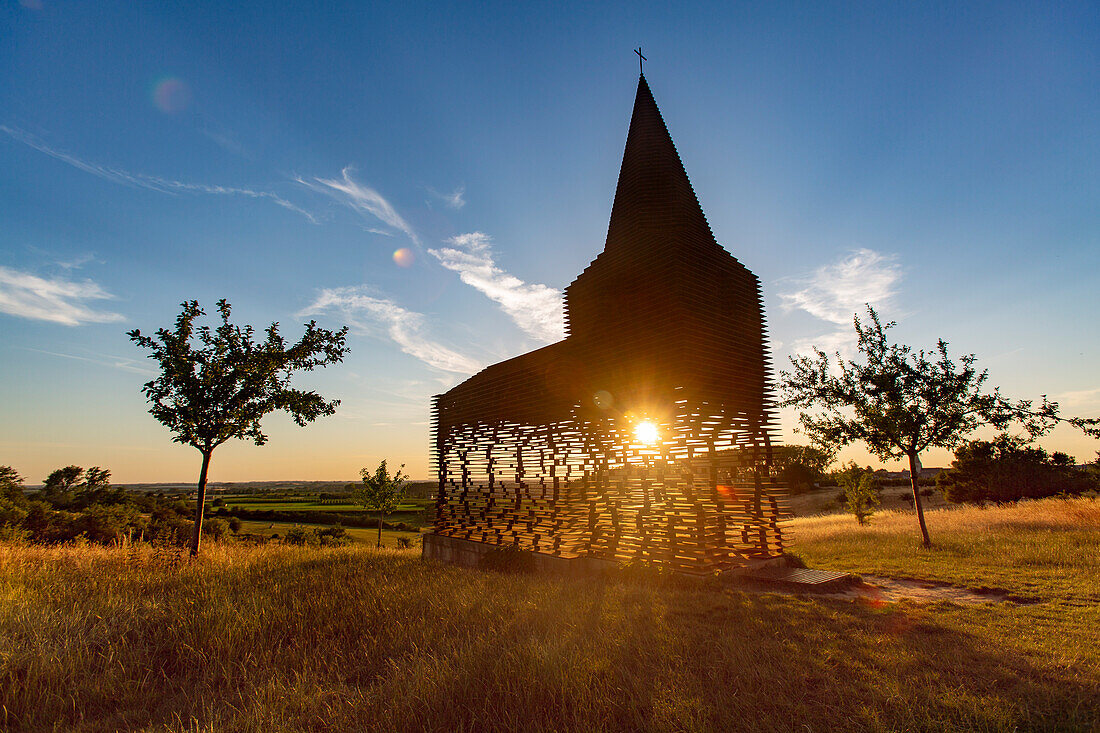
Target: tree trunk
{"x": 379, "y": 529}
{"x": 200, "y": 503}
{"x": 914, "y": 474}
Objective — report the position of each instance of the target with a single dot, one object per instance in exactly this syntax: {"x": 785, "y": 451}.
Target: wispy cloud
{"x": 370, "y": 314}
{"x": 836, "y": 292}
{"x": 117, "y": 362}
{"x": 535, "y": 308}
{"x": 362, "y": 198}
{"x": 57, "y": 299}
{"x": 152, "y": 183}
{"x": 454, "y": 200}
{"x": 77, "y": 262}
{"x": 1080, "y": 399}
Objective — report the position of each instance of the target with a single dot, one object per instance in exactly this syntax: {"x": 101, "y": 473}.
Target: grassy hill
{"x": 284, "y": 638}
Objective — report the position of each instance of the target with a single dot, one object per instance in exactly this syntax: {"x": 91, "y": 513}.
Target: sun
{"x": 646, "y": 432}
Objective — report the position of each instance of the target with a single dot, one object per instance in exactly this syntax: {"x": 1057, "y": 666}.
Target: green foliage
{"x": 381, "y": 492}
{"x": 75, "y": 489}
{"x": 12, "y": 514}
{"x": 297, "y": 536}
{"x": 215, "y": 528}
{"x": 335, "y": 536}
{"x": 218, "y": 384}
{"x": 862, "y": 492}
{"x": 1006, "y": 470}
{"x": 11, "y": 486}
{"x": 900, "y": 402}
{"x": 58, "y": 488}
{"x": 221, "y": 387}
{"x": 801, "y": 466}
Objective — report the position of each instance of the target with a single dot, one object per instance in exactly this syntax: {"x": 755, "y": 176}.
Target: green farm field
{"x": 312, "y": 505}
{"x": 279, "y": 638}
{"x": 359, "y": 535}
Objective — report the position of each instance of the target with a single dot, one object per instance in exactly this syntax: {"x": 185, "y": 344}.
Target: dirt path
{"x": 890, "y": 590}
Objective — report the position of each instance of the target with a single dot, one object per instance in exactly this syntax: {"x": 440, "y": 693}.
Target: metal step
{"x": 804, "y": 579}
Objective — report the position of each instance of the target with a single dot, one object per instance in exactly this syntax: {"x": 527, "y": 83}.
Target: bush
{"x": 11, "y": 514}
{"x": 297, "y": 536}
{"x": 215, "y": 528}
{"x": 862, "y": 491}
{"x": 107, "y": 524}
{"x": 1007, "y": 470}
{"x": 332, "y": 536}
{"x": 318, "y": 537}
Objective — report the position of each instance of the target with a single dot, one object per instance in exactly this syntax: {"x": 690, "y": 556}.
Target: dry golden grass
{"x": 278, "y": 638}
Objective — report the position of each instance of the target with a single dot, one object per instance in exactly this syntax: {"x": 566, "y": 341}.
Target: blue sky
{"x": 941, "y": 161}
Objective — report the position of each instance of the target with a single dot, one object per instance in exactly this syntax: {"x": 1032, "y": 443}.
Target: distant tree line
{"x": 1007, "y": 470}
{"x": 77, "y": 504}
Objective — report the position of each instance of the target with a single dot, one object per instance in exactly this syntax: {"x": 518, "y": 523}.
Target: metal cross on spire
{"x": 641, "y": 58}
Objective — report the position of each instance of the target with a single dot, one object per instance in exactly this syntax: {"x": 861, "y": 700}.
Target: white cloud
{"x": 454, "y": 200}
{"x": 152, "y": 183}
{"x": 362, "y": 198}
{"x": 837, "y": 292}
{"x": 369, "y": 314}
{"x": 1080, "y": 399}
{"x": 535, "y": 308}
{"x": 57, "y": 300}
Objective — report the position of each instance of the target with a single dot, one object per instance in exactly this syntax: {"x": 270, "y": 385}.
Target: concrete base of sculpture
{"x": 470, "y": 554}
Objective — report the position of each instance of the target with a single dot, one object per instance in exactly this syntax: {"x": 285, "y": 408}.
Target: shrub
{"x": 11, "y": 514}
{"x": 107, "y": 524}
{"x": 335, "y": 536}
{"x": 861, "y": 492}
{"x": 297, "y": 536}
{"x": 1007, "y": 470}
{"x": 215, "y": 528}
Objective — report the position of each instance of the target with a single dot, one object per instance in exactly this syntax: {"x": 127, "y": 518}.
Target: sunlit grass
{"x": 282, "y": 638}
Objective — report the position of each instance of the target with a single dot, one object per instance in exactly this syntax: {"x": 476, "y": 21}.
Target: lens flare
{"x": 404, "y": 257}
{"x": 171, "y": 95}
{"x": 646, "y": 433}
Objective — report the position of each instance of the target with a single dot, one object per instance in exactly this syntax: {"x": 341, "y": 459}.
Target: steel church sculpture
{"x": 646, "y": 434}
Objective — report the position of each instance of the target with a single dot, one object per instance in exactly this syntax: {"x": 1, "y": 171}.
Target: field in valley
{"x": 292, "y": 638}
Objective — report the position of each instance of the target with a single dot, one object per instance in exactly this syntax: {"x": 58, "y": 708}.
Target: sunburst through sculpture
{"x": 646, "y": 433}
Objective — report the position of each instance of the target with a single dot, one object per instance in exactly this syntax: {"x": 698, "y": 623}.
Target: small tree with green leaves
{"x": 900, "y": 402}
{"x": 380, "y": 492}
{"x": 222, "y": 386}
{"x": 862, "y": 491}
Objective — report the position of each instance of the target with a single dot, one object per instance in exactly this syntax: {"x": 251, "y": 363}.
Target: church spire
{"x": 655, "y": 204}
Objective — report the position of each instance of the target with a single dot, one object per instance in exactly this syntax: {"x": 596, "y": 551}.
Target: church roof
{"x": 654, "y": 198}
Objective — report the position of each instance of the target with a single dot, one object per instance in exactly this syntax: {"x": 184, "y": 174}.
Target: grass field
{"x": 359, "y": 535}
{"x": 280, "y": 638}
{"x": 312, "y": 505}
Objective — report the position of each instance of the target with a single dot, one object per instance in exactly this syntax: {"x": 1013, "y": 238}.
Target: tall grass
{"x": 283, "y": 638}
